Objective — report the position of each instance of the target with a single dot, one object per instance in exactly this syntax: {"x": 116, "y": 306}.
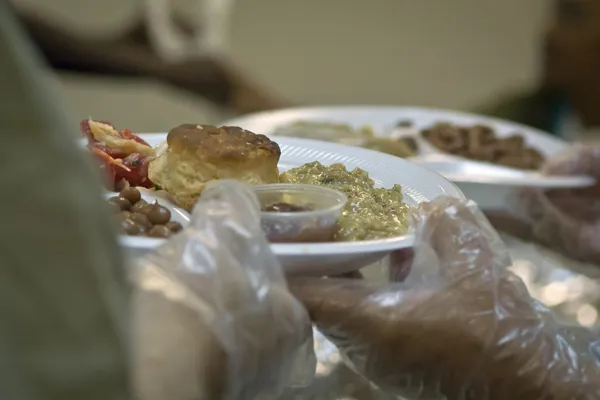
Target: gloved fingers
{"x": 220, "y": 271}
{"x": 463, "y": 240}
{"x": 577, "y": 240}
{"x": 349, "y": 275}
{"x": 400, "y": 263}
{"x": 579, "y": 204}
{"x": 176, "y": 355}
{"x": 331, "y": 301}
{"x": 510, "y": 223}
{"x": 563, "y": 222}
{"x": 577, "y": 160}
{"x": 466, "y": 247}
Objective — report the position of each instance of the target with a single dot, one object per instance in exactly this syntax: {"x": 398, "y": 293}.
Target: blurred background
{"x": 450, "y": 54}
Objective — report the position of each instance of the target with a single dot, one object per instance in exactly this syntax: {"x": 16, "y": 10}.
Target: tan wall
{"x": 443, "y": 53}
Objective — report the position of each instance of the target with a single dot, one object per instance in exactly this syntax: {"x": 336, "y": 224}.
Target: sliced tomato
{"x": 137, "y": 170}
{"x": 123, "y": 133}
{"x": 128, "y": 134}
{"x": 117, "y": 165}
{"x": 87, "y": 131}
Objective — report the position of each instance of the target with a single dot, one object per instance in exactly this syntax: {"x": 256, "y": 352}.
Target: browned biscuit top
{"x": 226, "y": 142}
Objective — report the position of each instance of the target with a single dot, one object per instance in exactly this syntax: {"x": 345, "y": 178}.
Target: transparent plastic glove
{"x": 461, "y": 327}
{"x": 214, "y": 318}
{"x": 567, "y": 220}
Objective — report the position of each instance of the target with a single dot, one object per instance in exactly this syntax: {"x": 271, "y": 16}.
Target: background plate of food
{"x": 378, "y": 190}
{"x": 487, "y": 158}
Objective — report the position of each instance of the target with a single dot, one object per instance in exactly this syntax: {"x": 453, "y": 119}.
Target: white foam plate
{"x": 457, "y": 169}
{"x": 418, "y": 185}
{"x": 460, "y": 170}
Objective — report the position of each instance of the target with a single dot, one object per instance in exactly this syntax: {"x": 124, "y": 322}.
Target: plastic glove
{"x": 460, "y": 327}
{"x": 567, "y": 220}
{"x": 214, "y": 318}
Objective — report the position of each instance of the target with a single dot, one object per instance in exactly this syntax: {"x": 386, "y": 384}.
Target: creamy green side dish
{"x": 328, "y": 131}
{"x": 371, "y": 213}
{"x": 343, "y": 133}
{"x": 398, "y": 147}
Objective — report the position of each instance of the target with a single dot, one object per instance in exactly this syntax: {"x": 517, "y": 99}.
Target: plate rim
{"x": 533, "y": 180}
{"x": 296, "y": 249}
{"x": 392, "y": 108}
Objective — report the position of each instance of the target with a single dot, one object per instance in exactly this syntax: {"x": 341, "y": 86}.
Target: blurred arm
{"x": 63, "y": 291}
{"x": 132, "y": 56}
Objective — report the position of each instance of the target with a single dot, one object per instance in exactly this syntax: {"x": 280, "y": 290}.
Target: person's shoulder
{"x": 531, "y": 108}
{"x": 510, "y": 103}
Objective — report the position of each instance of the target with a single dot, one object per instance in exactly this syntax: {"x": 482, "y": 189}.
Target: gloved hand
{"x": 214, "y": 318}
{"x": 568, "y": 220}
{"x": 461, "y": 327}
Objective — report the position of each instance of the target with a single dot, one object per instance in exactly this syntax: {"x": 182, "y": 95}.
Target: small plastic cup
{"x": 315, "y": 222}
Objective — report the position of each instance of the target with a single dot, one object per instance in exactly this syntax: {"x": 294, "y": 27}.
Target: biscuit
{"x": 198, "y": 154}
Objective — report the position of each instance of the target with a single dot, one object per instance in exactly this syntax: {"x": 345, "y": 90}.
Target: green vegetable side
{"x": 371, "y": 213}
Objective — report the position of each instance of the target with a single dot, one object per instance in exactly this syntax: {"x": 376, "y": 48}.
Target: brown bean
{"x": 143, "y": 229}
{"x": 131, "y": 194}
{"x": 174, "y": 226}
{"x": 139, "y": 205}
{"x": 159, "y": 215}
{"x": 122, "y": 202}
{"x": 129, "y": 227}
{"x": 479, "y": 142}
{"x": 113, "y": 207}
{"x": 141, "y": 219}
{"x": 159, "y": 231}
{"x": 123, "y": 215}
{"x": 146, "y": 209}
